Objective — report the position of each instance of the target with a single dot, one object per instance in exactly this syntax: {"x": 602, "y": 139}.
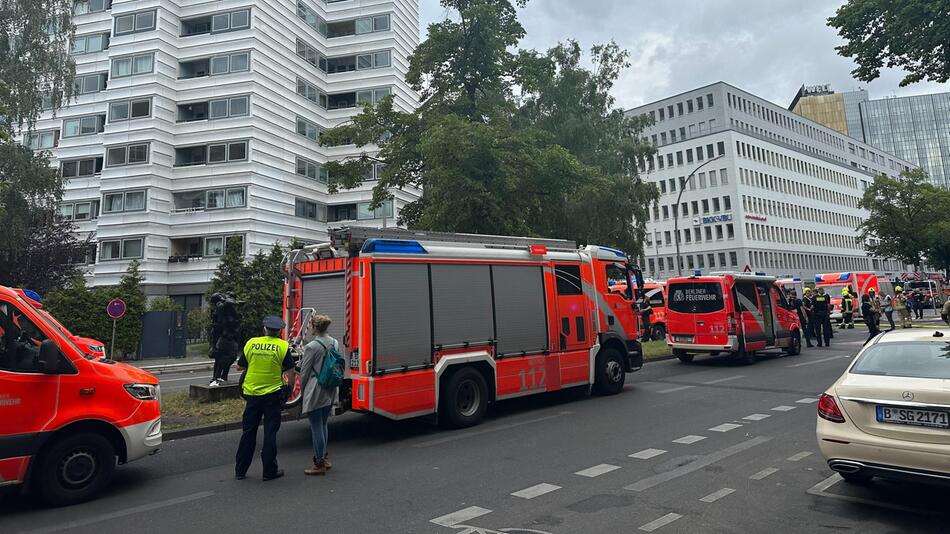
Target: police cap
{"x": 272, "y": 322}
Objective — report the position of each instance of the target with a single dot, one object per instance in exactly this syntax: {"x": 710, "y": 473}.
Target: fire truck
{"x": 835, "y": 283}
{"x": 444, "y": 324}
{"x": 655, "y": 291}
{"x": 933, "y": 285}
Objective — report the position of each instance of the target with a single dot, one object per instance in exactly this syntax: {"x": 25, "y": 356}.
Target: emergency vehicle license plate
{"x": 911, "y": 416}
{"x": 682, "y": 339}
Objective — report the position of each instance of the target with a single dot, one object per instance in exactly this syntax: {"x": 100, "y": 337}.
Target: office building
{"x": 761, "y": 188}
{"x": 914, "y": 128}
{"x": 197, "y": 123}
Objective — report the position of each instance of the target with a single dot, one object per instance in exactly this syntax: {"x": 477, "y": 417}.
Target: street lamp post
{"x": 676, "y": 213}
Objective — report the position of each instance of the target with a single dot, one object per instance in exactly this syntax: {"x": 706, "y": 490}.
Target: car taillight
{"x": 731, "y": 323}
{"x": 828, "y": 409}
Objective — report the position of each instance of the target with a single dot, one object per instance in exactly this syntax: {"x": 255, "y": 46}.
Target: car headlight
{"x": 143, "y": 391}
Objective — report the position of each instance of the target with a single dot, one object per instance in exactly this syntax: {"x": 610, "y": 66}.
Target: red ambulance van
{"x": 739, "y": 314}
{"x": 66, "y": 418}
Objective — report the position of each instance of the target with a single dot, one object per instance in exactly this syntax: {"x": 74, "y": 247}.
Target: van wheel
{"x": 683, "y": 355}
{"x": 75, "y": 469}
{"x": 659, "y": 332}
{"x": 463, "y": 399}
{"x": 796, "y": 346}
{"x": 609, "y": 375}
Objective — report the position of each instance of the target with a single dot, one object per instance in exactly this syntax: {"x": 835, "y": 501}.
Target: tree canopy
{"x": 913, "y": 35}
{"x": 257, "y": 284}
{"x": 506, "y": 142}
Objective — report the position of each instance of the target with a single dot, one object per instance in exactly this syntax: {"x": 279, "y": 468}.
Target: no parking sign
{"x": 115, "y": 309}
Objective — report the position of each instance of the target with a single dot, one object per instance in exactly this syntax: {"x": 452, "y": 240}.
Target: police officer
{"x": 807, "y": 316}
{"x": 821, "y": 314}
{"x": 265, "y": 358}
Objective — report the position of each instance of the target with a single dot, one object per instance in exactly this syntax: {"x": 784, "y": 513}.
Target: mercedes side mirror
{"x": 50, "y": 357}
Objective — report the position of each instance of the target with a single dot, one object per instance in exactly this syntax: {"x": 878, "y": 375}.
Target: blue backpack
{"x": 333, "y": 368}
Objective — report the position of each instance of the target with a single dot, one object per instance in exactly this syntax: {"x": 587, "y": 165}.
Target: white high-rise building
{"x": 196, "y": 122}
{"x": 762, "y": 188}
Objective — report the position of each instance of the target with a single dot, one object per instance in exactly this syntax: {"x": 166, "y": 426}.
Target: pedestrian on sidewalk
{"x": 888, "y": 304}
{"x": 822, "y": 316}
{"x": 867, "y": 312}
{"x": 902, "y": 308}
{"x": 266, "y": 359}
{"x": 808, "y": 325}
{"x": 317, "y": 401}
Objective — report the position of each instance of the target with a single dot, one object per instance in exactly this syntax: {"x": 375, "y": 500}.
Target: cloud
{"x": 767, "y": 47}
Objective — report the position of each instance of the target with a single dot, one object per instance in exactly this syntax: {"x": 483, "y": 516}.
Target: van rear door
{"x": 750, "y": 314}
{"x": 695, "y": 313}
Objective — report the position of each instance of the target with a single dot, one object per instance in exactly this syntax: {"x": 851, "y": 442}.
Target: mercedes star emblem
{"x": 907, "y": 395}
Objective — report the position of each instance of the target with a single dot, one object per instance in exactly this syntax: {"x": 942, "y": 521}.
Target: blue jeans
{"x": 319, "y": 431}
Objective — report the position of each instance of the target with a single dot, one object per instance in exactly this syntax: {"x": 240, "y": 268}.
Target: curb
{"x": 216, "y": 428}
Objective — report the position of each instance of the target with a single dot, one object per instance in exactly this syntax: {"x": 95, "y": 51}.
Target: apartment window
{"x": 668, "y": 237}
{"x": 722, "y": 259}
{"x": 130, "y": 109}
{"x": 88, "y": 125}
{"x": 689, "y": 106}
{"x": 683, "y": 133}
{"x": 81, "y": 167}
{"x": 215, "y": 66}
{"x": 307, "y": 209}
{"x": 662, "y": 186}
{"x": 312, "y": 170}
{"x": 312, "y": 19}
{"x": 719, "y": 231}
{"x": 733, "y": 257}
{"x": 715, "y": 203}
{"x": 123, "y": 201}
{"x": 723, "y": 177}
{"x": 727, "y": 203}
{"x": 213, "y": 153}
{"x": 79, "y": 211}
{"x": 213, "y": 199}
{"x": 132, "y": 65}
{"x": 699, "y": 103}
{"x": 217, "y": 23}
{"x": 364, "y": 212}
{"x": 81, "y": 7}
{"x": 372, "y": 96}
{"x": 679, "y": 108}
{"x": 89, "y": 44}
{"x": 308, "y": 129}
{"x": 121, "y": 249}
{"x": 666, "y": 212}
{"x": 379, "y": 23}
{"x": 713, "y": 181}
{"x": 41, "y": 140}
{"x": 699, "y": 154}
{"x": 142, "y": 21}
{"x": 89, "y": 83}
{"x": 720, "y": 148}
{"x": 679, "y": 157}
{"x": 310, "y": 55}
{"x": 127, "y": 155}
{"x": 662, "y": 114}
{"x": 311, "y": 93}
{"x": 705, "y": 205}
{"x": 689, "y": 155}
{"x": 372, "y": 60}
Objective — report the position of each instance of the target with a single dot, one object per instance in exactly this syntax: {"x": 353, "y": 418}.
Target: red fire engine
{"x": 437, "y": 323}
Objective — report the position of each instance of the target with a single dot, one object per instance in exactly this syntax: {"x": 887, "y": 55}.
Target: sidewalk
{"x": 169, "y": 365}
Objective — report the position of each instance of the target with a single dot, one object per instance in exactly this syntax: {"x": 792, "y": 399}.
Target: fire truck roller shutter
{"x": 519, "y": 309}
{"x": 326, "y": 295}
{"x": 402, "y": 323}
{"x": 461, "y": 304}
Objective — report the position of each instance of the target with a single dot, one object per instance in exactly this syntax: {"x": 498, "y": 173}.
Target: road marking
{"x": 725, "y": 427}
{"x": 536, "y": 490}
{"x": 646, "y": 454}
{"x": 764, "y": 473}
{"x": 807, "y": 400}
{"x": 822, "y": 360}
{"x": 180, "y": 379}
{"x": 123, "y": 513}
{"x": 461, "y": 516}
{"x": 820, "y": 488}
{"x": 473, "y": 433}
{"x": 671, "y": 390}
{"x": 800, "y": 456}
{"x": 661, "y": 522}
{"x": 597, "y": 470}
{"x": 783, "y": 408}
{"x": 757, "y": 417}
{"x": 696, "y": 465}
{"x": 716, "y": 495}
{"x": 721, "y": 380}
{"x": 689, "y": 440}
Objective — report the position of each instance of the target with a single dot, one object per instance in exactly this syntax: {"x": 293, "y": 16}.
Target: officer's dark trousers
{"x": 822, "y": 328}
{"x": 809, "y": 325}
{"x": 258, "y": 407}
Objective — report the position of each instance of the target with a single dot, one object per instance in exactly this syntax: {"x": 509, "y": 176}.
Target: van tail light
{"x": 828, "y": 409}
{"x": 731, "y": 323}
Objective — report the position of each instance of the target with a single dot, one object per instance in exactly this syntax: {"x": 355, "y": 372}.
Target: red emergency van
{"x": 835, "y": 283}
{"x": 738, "y": 314}
{"x": 67, "y": 418}
{"x": 444, "y": 324}
{"x": 655, "y": 291}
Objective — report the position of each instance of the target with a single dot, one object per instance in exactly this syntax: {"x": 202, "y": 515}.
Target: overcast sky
{"x": 767, "y": 47}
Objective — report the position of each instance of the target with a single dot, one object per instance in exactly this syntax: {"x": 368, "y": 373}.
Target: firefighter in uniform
{"x": 265, "y": 359}
{"x": 847, "y": 309}
{"x": 821, "y": 315}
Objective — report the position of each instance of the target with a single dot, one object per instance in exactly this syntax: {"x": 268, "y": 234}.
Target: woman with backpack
{"x": 317, "y": 399}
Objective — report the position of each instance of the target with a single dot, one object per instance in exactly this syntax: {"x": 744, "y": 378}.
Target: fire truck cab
{"x": 444, "y": 324}
{"x": 655, "y": 292}
{"x": 739, "y": 314}
{"x": 835, "y": 283}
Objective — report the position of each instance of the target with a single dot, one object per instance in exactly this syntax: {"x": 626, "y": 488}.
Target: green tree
{"x": 899, "y": 213}
{"x": 129, "y": 327}
{"x": 77, "y": 307}
{"x": 913, "y": 35}
{"x": 163, "y": 303}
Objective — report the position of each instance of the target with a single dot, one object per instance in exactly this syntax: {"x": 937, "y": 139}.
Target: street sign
{"x": 747, "y": 269}
{"x": 116, "y": 308}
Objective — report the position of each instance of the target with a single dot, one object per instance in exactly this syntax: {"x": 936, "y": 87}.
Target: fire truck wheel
{"x": 659, "y": 332}
{"x": 683, "y": 355}
{"x": 609, "y": 375}
{"x": 75, "y": 469}
{"x": 463, "y": 399}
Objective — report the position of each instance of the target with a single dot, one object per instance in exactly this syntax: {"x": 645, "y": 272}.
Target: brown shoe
{"x": 327, "y": 464}
{"x": 316, "y": 470}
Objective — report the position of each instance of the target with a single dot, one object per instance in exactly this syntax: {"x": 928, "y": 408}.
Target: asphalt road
{"x": 178, "y": 381}
{"x": 708, "y": 447}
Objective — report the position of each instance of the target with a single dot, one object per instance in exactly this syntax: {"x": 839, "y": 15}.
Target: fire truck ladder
{"x": 352, "y": 238}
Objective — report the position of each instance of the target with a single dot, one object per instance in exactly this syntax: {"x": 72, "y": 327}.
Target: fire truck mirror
{"x": 49, "y": 357}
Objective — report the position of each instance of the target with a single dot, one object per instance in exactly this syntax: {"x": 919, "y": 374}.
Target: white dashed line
{"x": 536, "y": 491}
{"x": 727, "y": 379}
{"x": 597, "y": 470}
{"x": 783, "y": 408}
{"x": 807, "y": 400}
{"x": 671, "y": 390}
{"x": 716, "y": 495}
{"x": 822, "y": 360}
{"x": 461, "y": 516}
{"x": 661, "y": 522}
{"x": 646, "y": 454}
{"x": 757, "y": 417}
{"x": 725, "y": 427}
{"x": 763, "y": 473}
{"x": 799, "y": 456}
{"x": 689, "y": 440}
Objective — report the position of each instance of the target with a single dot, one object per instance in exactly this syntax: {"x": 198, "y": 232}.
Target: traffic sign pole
{"x": 112, "y": 346}
{"x": 115, "y": 309}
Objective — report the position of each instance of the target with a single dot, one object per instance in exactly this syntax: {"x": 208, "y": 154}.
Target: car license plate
{"x": 683, "y": 339}
{"x": 913, "y": 416}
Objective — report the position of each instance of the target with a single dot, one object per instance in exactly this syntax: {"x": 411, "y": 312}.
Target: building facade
{"x": 745, "y": 183}
{"x": 197, "y": 123}
{"x": 914, "y": 128}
